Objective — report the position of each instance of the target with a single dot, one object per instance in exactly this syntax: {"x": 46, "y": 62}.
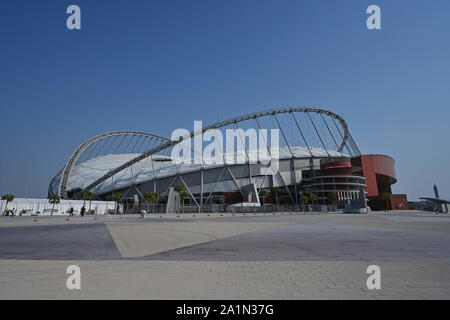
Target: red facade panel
{"x": 336, "y": 168}
{"x": 399, "y": 202}
{"x": 379, "y": 171}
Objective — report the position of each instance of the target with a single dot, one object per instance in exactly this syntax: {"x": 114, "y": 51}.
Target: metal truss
{"x": 105, "y": 137}
{"x": 347, "y": 142}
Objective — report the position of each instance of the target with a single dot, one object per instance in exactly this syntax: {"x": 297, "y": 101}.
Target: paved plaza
{"x": 271, "y": 256}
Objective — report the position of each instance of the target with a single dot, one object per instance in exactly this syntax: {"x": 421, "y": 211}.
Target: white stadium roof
{"x": 158, "y": 167}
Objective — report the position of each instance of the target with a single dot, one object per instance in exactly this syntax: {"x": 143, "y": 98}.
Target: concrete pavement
{"x": 307, "y": 256}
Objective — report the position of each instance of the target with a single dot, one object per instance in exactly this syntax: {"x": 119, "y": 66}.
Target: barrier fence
{"x": 43, "y": 207}
{"x": 218, "y": 208}
{"x": 28, "y": 206}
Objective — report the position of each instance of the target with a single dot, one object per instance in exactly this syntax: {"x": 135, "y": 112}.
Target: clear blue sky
{"x": 159, "y": 65}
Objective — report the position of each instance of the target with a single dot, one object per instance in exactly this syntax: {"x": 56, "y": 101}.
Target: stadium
{"x": 312, "y": 148}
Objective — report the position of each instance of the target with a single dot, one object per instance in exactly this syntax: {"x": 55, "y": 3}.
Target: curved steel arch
{"x": 66, "y": 171}
{"x": 346, "y": 135}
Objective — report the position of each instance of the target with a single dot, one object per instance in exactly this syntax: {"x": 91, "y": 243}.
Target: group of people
{"x": 82, "y": 211}
{"x": 11, "y": 212}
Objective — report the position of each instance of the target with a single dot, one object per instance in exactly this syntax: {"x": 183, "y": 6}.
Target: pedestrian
{"x": 71, "y": 211}
{"x": 13, "y": 212}
{"x": 83, "y": 209}
{"x": 436, "y": 210}
{"x": 143, "y": 213}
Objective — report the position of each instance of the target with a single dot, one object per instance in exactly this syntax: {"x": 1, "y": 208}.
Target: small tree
{"x": 386, "y": 196}
{"x": 151, "y": 197}
{"x": 332, "y": 197}
{"x": 8, "y": 198}
{"x": 303, "y": 200}
{"x": 91, "y": 197}
{"x": 263, "y": 193}
{"x": 179, "y": 189}
{"x": 276, "y": 190}
{"x": 155, "y": 199}
{"x": 87, "y": 195}
{"x": 313, "y": 198}
{"x": 55, "y": 199}
{"x": 183, "y": 195}
{"x": 84, "y": 194}
{"x": 148, "y": 196}
{"x": 117, "y": 197}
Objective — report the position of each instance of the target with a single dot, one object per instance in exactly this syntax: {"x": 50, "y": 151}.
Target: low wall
{"x": 29, "y": 206}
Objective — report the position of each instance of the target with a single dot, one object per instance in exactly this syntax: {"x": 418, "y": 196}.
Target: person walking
{"x": 71, "y": 211}
{"x": 83, "y": 209}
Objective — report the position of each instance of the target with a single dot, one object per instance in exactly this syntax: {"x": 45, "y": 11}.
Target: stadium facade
{"x": 315, "y": 153}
